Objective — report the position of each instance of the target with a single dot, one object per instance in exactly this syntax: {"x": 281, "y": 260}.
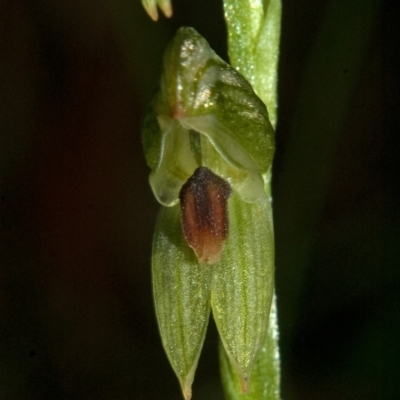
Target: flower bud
{"x": 151, "y": 8}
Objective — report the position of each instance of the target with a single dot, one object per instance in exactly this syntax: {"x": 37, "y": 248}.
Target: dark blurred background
{"x": 77, "y": 213}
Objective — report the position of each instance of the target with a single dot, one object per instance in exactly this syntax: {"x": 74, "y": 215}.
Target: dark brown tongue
{"x": 204, "y": 214}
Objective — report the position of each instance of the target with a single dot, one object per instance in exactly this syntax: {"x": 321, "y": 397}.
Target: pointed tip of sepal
{"x": 186, "y": 384}
{"x": 187, "y": 392}
{"x": 151, "y": 8}
{"x": 243, "y": 377}
{"x": 166, "y": 8}
{"x": 244, "y": 384}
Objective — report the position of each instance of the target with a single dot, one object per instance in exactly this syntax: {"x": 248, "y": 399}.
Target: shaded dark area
{"x": 77, "y": 213}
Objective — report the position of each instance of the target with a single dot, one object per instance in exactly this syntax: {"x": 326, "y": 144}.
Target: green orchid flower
{"x": 208, "y": 141}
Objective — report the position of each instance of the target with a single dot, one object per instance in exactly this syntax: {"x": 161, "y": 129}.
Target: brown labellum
{"x": 204, "y": 214}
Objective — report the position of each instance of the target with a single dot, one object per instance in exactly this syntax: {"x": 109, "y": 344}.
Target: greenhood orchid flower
{"x": 208, "y": 141}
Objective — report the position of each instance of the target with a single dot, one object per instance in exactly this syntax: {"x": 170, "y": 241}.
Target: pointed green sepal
{"x": 243, "y": 283}
{"x": 265, "y": 376}
{"x": 181, "y": 288}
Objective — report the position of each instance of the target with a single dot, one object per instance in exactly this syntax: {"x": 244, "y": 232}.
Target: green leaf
{"x": 181, "y": 288}
{"x": 243, "y": 283}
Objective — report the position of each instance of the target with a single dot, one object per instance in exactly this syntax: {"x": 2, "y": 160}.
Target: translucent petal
{"x": 176, "y": 162}
{"x": 234, "y": 164}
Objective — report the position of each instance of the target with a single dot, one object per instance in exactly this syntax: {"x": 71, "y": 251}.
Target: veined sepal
{"x": 243, "y": 284}
{"x": 253, "y": 42}
{"x": 181, "y": 289}
{"x": 265, "y": 375}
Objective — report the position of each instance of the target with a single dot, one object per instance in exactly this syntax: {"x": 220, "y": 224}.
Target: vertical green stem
{"x": 253, "y": 41}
